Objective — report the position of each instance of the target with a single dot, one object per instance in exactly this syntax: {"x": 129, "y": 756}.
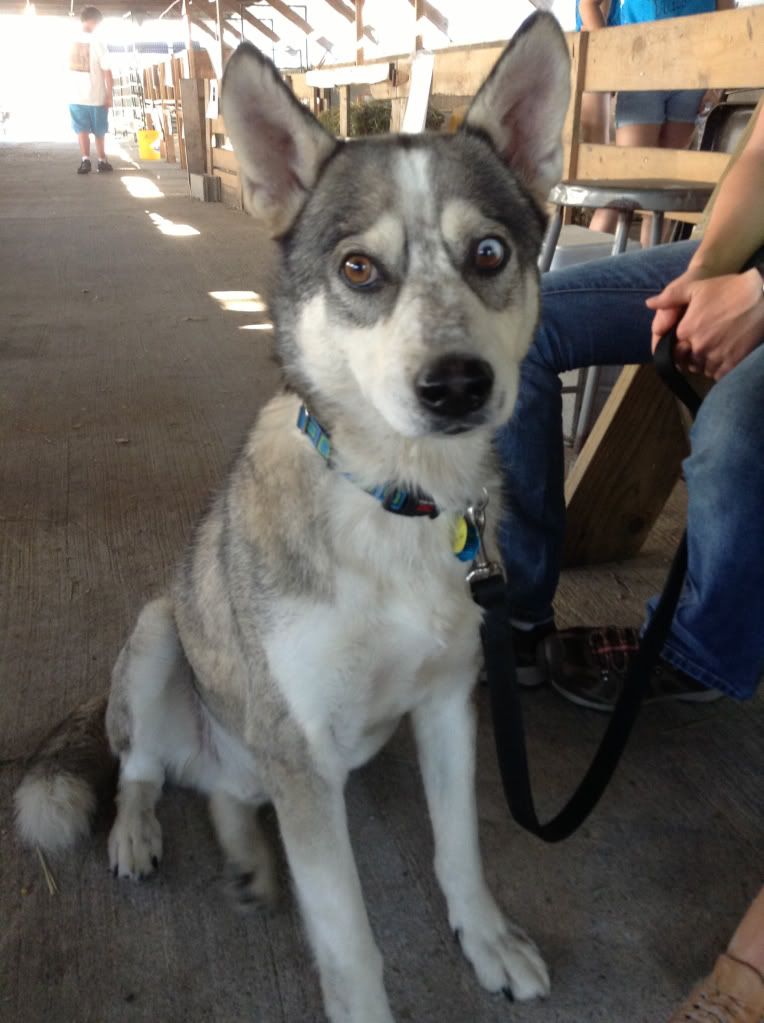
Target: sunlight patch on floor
{"x": 240, "y": 301}
{"x": 141, "y": 188}
{"x": 167, "y": 226}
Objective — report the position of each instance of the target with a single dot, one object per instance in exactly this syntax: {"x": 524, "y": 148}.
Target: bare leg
{"x": 314, "y": 828}
{"x": 83, "y": 137}
{"x": 628, "y": 135}
{"x": 502, "y": 956}
{"x": 100, "y": 144}
{"x": 247, "y": 851}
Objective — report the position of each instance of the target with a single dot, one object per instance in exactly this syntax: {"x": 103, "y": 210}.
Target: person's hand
{"x": 109, "y": 101}
{"x": 723, "y": 322}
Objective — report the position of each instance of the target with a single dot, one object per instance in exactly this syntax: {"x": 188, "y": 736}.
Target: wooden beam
{"x": 723, "y": 50}
{"x": 297, "y": 19}
{"x": 219, "y": 30}
{"x": 418, "y": 18}
{"x": 197, "y": 20}
{"x": 625, "y": 472}
{"x": 342, "y": 8}
{"x": 424, "y": 9}
{"x": 597, "y": 162}
{"x": 359, "y": 32}
{"x": 250, "y": 19}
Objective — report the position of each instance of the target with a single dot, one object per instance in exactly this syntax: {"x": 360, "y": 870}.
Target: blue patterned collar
{"x": 411, "y": 503}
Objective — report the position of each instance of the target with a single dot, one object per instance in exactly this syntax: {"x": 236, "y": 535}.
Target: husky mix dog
{"x": 324, "y": 597}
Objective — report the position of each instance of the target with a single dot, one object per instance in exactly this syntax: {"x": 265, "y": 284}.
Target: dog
{"x": 323, "y": 597}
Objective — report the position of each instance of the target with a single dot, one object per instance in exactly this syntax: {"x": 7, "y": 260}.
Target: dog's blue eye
{"x": 489, "y": 255}
{"x": 359, "y": 271}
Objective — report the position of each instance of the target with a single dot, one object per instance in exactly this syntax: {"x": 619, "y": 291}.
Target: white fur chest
{"x": 400, "y": 624}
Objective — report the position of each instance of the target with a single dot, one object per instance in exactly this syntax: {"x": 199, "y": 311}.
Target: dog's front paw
{"x": 504, "y": 958}
{"x": 135, "y": 844}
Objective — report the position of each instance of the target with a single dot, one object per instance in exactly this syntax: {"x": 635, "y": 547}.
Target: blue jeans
{"x": 595, "y": 314}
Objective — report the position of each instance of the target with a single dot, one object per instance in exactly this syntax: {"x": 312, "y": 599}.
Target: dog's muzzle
{"x": 454, "y": 389}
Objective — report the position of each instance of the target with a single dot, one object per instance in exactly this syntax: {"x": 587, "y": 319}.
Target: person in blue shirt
{"x": 649, "y": 118}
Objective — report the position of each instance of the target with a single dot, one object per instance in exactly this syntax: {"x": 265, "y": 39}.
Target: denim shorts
{"x": 679, "y": 106}
{"x": 94, "y": 120}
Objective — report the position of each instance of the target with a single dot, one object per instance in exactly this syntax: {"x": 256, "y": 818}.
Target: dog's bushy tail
{"x": 66, "y": 779}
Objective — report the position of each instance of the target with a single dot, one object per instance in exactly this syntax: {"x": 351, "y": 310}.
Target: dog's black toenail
{"x": 458, "y": 936}
{"x": 507, "y": 992}
{"x": 246, "y": 879}
{"x": 154, "y": 862}
{"x": 114, "y": 871}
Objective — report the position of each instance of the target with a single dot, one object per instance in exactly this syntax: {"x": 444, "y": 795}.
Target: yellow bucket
{"x": 146, "y": 140}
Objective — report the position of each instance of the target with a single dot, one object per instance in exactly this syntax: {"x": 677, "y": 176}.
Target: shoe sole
{"x": 709, "y": 696}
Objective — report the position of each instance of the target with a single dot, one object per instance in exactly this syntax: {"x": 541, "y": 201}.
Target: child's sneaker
{"x": 732, "y": 993}
{"x": 84, "y": 167}
{"x": 104, "y": 167}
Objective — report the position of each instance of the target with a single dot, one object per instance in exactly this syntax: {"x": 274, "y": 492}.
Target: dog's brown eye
{"x": 359, "y": 271}
{"x": 490, "y": 255}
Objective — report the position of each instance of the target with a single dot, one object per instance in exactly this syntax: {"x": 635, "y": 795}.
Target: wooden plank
{"x": 624, "y": 162}
{"x": 625, "y": 472}
{"x": 333, "y": 77}
{"x": 723, "y": 50}
{"x": 225, "y": 159}
{"x": 571, "y": 132}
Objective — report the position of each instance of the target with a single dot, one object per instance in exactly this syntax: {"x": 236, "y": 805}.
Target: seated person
{"x": 605, "y": 313}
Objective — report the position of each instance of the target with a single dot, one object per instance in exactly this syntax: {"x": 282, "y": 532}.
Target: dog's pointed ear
{"x": 280, "y": 146}
{"x": 522, "y": 104}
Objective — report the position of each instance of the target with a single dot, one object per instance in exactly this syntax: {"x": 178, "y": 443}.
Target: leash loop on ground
{"x": 489, "y": 591}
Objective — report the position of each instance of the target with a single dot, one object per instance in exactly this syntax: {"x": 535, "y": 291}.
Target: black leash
{"x": 489, "y": 591}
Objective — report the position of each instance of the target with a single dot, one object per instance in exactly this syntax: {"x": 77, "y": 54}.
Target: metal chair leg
{"x": 625, "y": 218}
{"x": 550, "y": 240}
{"x": 656, "y": 229}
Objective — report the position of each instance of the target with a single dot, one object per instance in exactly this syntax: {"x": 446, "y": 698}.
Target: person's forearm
{"x": 736, "y": 227}
{"x": 108, "y": 81}
{"x": 592, "y": 16}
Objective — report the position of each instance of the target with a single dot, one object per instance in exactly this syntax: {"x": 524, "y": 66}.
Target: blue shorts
{"x": 680, "y": 107}
{"x": 94, "y": 120}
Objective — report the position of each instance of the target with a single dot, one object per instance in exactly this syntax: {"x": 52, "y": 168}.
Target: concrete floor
{"x": 124, "y": 389}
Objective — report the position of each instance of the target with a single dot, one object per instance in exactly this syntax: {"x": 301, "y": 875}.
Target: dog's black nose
{"x": 454, "y": 386}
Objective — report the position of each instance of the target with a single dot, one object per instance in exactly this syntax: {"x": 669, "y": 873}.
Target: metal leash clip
{"x": 482, "y": 568}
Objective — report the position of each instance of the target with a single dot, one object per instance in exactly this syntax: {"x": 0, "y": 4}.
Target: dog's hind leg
{"x": 151, "y": 728}
{"x": 314, "y": 829}
{"x": 249, "y": 857}
{"x": 503, "y": 957}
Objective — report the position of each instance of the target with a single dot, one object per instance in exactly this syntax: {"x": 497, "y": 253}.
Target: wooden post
{"x": 359, "y": 58}
{"x": 625, "y": 472}
{"x": 176, "y": 68}
{"x": 194, "y": 124}
{"x": 189, "y": 42}
{"x": 418, "y": 16}
{"x": 344, "y": 111}
{"x": 571, "y": 132}
{"x": 219, "y": 23}
{"x": 169, "y": 141}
